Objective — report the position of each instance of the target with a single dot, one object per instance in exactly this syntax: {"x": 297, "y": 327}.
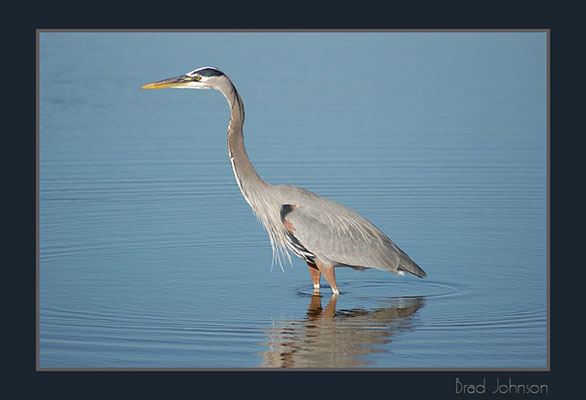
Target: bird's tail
{"x": 408, "y": 265}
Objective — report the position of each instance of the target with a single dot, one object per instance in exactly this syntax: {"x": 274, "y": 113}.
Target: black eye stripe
{"x": 208, "y": 72}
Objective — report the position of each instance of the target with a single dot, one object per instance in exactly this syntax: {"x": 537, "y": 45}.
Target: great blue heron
{"x": 322, "y": 232}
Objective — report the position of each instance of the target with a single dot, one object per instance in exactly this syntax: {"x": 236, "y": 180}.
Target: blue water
{"x": 150, "y": 257}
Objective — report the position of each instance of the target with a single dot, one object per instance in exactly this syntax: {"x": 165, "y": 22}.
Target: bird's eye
{"x": 197, "y": 77}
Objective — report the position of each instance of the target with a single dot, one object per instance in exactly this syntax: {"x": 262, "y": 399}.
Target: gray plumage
{"x": 321, "y": 231}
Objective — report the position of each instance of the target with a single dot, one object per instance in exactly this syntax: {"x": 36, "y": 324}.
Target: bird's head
{"x": 200, "y": 78}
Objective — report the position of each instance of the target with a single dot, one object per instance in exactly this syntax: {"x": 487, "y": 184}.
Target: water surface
{"x": 150, "y": 257}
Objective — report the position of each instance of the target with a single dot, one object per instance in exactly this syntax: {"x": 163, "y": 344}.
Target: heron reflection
{"x": 327, "y": 338}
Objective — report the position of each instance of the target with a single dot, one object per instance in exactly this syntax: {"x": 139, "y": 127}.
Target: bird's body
{"x": 321, "y": 231}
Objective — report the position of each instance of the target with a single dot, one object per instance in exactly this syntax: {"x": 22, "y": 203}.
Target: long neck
{"x": 246, "y": 176}
{"x": 256, "y": 191}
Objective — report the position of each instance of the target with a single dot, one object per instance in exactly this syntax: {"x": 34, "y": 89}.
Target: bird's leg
{"x": 329, "y": 274}
{"x": 315, "y": 274}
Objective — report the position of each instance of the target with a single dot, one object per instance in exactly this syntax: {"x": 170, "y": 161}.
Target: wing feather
{"x": 338, "y": 235}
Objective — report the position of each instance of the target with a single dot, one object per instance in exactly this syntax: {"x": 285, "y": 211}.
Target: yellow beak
{"x": 181, "y": 80}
